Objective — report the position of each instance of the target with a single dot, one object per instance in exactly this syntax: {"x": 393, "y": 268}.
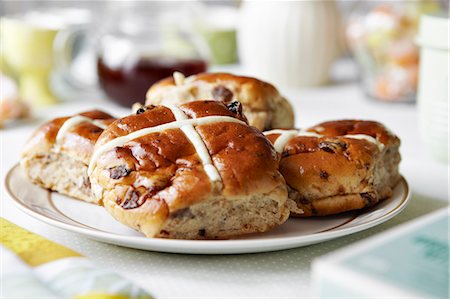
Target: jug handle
{"x": 63, "y": 49}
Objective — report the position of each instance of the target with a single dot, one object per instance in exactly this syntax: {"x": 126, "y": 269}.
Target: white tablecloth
{"x": 277, "y": 274}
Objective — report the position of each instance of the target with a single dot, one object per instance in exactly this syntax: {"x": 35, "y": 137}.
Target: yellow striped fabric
{"x": 25, "y": 244}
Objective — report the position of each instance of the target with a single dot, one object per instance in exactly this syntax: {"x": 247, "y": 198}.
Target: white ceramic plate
{"x": 94, "y": 222}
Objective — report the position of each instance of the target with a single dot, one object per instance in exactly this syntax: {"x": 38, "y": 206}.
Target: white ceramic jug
{"x": 289, "y": 43}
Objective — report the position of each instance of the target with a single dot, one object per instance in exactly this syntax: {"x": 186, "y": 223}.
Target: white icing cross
{"x": 198, "y": 144}
{"x": 287, "y": 135}
{"x": 182, "y": 122}
{"x": 75, "y": 120}
{"x": 178, "y": 78}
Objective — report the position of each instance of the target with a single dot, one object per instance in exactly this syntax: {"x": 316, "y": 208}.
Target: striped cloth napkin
{"x": 35, "y": 267}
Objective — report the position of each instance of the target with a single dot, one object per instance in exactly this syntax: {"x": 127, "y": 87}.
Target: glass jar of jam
{"x": 143, "y": 45}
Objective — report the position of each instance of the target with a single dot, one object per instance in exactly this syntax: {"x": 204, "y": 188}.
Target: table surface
{"x": 275, "y": 274}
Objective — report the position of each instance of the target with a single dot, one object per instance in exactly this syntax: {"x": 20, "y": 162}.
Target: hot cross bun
{"x": 194, "y": 171}
{"x": 338, "y": 166}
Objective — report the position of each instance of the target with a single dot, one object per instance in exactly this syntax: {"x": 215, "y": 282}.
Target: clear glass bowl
{"x": 381, "y": 36}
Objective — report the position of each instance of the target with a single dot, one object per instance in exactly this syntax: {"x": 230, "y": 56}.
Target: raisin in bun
{"x": 263, "y": 105}
{"x": 338, "y": 166}
{"x": 194, "y": 171}
{"x": 57, "y": 156}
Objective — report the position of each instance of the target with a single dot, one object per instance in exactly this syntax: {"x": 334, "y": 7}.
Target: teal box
{"x": 410, "y": 261}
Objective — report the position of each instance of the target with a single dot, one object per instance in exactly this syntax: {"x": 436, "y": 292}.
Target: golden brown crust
{"x": 263, "y": 105}
{"x": 334, "y": 173}
{"x": 165, "y": 166}
{"x": 78, "y": 142}
{"x": 259, "y": 90}
{"x": 353, "y": 127}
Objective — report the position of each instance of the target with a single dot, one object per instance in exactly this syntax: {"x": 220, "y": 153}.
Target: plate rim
{"x": 233, "y": 246}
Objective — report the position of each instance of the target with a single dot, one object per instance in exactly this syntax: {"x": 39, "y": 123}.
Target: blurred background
{"x": 387, "y": 61}
{"x": 57, "y": 51}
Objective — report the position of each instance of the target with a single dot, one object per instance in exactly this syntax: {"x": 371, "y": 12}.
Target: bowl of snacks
{"x": 381, "y": 38}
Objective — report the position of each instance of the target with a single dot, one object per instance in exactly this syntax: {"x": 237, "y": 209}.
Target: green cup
{"x": 27, "y": 51}
{"x": 29, "y": 48}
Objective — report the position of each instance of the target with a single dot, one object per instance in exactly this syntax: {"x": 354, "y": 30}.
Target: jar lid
{"x": 434, "y": 31}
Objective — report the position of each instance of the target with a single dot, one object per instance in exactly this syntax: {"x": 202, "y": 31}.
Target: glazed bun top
{"x": 262, "y": 103}
{"x": 367, "y": 133}
{"x": 75, "y": 135}
{"x": 184, "y": 154}
{"x": 345, "y": 146}
{"x": 335, "y": 157}
{"x": 356, "y": 127}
